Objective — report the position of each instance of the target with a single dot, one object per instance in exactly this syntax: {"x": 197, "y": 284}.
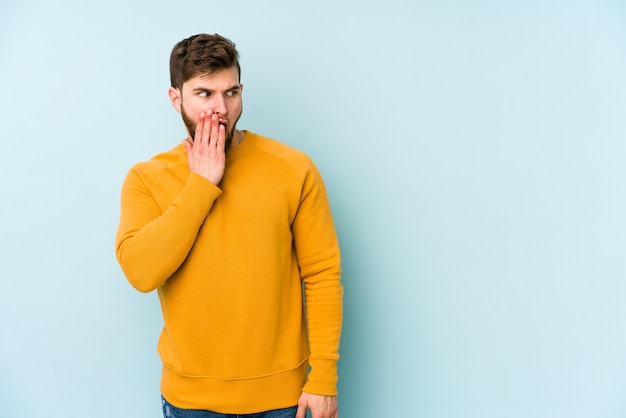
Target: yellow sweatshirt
{"x": 229, "y": 263}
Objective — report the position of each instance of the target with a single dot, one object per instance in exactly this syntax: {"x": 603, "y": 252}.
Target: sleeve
{"x": 152, "y": 243}
{"x": 318, "y": 256}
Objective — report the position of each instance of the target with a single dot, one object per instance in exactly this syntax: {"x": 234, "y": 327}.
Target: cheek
{"x": 236, "y": 109}
{"x": 196, "y": 108}
{"x": 194, "y": 102}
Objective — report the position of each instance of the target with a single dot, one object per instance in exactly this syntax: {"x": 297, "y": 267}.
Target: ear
{"x": 175, "y": 98}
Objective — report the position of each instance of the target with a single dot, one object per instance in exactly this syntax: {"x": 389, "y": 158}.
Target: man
{"x": 230, "y": 227}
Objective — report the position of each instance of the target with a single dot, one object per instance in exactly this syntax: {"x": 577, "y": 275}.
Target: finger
{"x": 207, "y": 130}
{"x": 200, "y": 127}
{"x": 221, "y": 137}
{"x": 301, "y": 413}
{"x": 215, "y": 129}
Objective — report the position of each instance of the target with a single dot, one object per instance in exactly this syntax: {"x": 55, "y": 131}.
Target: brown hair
{"x": 201, "y": 54}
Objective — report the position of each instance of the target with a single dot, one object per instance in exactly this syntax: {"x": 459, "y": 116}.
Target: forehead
{"x": 225, "y": 79}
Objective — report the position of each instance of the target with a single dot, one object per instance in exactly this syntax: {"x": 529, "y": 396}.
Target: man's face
{"x": 219, "y": 93}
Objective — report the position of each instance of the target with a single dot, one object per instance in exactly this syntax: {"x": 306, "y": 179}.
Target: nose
{"x": 219, "y": 105}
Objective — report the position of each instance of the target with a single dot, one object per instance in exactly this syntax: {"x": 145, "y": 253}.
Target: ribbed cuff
{"x": 322, "y": 378}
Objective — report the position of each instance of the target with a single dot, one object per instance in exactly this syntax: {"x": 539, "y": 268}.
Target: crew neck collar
{"x": 242, "y": 147}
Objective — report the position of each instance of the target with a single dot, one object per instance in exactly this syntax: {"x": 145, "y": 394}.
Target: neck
{"x": 238, "y": 137}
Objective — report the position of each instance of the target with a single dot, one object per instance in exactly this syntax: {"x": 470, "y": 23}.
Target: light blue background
{"x": 475, "y": 159}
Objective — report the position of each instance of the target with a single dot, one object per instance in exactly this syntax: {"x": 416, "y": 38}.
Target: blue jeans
{"x": 170, "y": 411}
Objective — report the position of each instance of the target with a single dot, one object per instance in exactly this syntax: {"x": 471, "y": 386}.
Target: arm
{"x": 150, "y": 244}
{"x": 319, "y": 260}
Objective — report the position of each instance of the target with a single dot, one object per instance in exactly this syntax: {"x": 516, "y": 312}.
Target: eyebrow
{"x": 204, "y": 89}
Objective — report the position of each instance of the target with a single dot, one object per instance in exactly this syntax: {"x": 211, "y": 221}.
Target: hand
{"x": 320, "y": 406}
{"x": 206, "y": 154}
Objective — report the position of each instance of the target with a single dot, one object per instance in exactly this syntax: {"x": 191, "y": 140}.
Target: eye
{"x": 232, "y": 93}
{"x": 204, "y": 94}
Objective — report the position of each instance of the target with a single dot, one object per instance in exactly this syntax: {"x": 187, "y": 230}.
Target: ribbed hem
{"x": 239, "y": 396}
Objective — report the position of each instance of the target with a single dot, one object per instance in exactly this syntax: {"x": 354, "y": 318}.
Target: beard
{"x": 191, "y": 127}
